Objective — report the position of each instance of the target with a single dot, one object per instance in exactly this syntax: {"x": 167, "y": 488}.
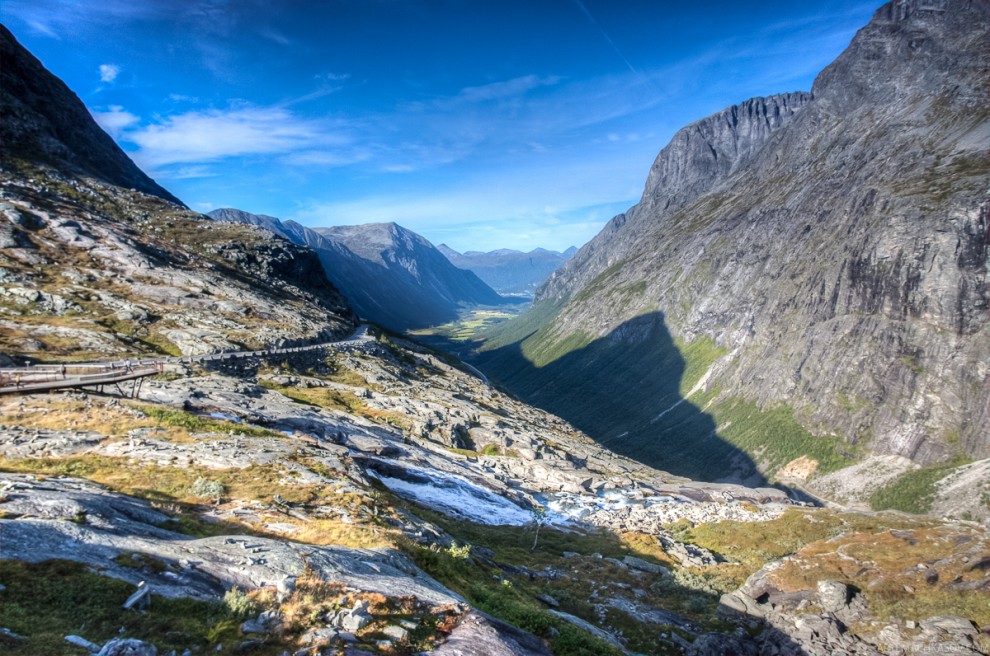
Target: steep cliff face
{"x": 699, "y": 156}
{"x": 828, "y": 250}
{"x": 43, "y": 121}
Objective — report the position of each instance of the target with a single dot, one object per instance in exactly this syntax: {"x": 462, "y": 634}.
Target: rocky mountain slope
{"x": 44, "y": 121}
{"x": 390, "y": 275}
{"x": 90, "y": 268}
{"x": 804, "y": 276}
{"x": 372, "y": 496}
{"x": 509, "y": 271}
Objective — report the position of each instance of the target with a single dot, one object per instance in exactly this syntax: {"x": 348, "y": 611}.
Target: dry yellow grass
{"x": 885, "y": 568}
{"x": 56, "y": 414}
{"x": 345, "y": 401}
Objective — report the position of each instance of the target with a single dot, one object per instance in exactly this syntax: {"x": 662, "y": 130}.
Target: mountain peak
{"x": 44, "y": 122}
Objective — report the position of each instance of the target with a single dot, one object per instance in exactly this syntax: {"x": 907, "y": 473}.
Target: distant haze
{"x": 481, "y": 125}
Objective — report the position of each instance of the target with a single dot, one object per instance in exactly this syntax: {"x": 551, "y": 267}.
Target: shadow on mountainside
{"x": 624, "y": 390}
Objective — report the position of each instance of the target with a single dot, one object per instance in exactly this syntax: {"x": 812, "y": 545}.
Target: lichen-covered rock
{"x": 833, "y": 595}
{"x": 128, "y": 647}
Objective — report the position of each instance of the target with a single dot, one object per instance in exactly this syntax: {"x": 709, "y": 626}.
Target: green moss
{"x": 516, "y": 330}
{"x": 488, "y": 591}
{"x": 141, "y": 561}
{"x": 699, "y": 355}
{"x": 600, "y": 283}
{"x": 541, "y": 350}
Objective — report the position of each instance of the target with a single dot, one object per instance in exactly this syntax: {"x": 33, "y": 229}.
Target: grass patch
{"x": 488, "y": 591}
{"x": 44, "y": 602}
{"x": 342, "y": 400}
{"x": 771, "y": 435}
{"x": 699, "y": 355}
{"x": 913, "y": 491}
{"x": 880, "y": 564}
{"x": 748, "y": 546}
{"x": 197, "y": 424}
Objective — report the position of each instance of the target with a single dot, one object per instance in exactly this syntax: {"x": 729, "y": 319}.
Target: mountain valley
{"x": 510, "y": 271}
{"x": 750, "y": 417}
{"x": 390, "y": 275}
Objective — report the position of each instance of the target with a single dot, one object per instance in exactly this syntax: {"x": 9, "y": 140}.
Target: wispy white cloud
{"x": 334, "y": 157}
{"x": 115, "y": 120}
{"x": 109, "y": 72}
{"x": 330, "y": 76}
{"x": 507, "y": 88}
{"x": 524, "y": 208}
{"x": 276, "y": 36}
{"x": 182, "y": 98}
{"x": 189, "y": 172}
{"x": 206, "y": 136}
{"x": 55, "y": 17}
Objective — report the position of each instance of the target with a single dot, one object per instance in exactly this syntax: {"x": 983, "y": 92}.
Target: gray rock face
{"x": 833, "y": 244}
{"x": 479, "y": 634}
{"x": 128, "y": 647}
{"x": 163, "y": 274}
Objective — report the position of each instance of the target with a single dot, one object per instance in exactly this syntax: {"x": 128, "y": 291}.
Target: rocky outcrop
{"x": 697, "y": 157}
{"x": 833, "y": 618}
{"x": 123, "y": 272}
{"x": 833, "y": 245}
{"x": 43, "y": 121}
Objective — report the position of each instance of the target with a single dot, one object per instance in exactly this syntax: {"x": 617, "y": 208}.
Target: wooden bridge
{"x": 45, "y": 377}
{"x": 26, "y": 380}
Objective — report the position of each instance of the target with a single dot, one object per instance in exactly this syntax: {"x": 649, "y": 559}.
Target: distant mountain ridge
{"x": 392, "y": 276}
{"x": 510, "y": 271}
{"x": 810, "y": 269}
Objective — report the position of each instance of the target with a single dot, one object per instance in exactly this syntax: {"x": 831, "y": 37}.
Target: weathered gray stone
{"x": 79, "y": 641}
{"x": 396, "y": 633}
{"x": 833, "y": 595}
{"x": 645, "y": 565}
{"x": 128, "y": 647}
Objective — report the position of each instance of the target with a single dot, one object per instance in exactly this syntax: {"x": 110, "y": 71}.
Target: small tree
{"x": 540, "y": 519}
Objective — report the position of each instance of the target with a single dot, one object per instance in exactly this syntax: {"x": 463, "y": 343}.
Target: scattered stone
{"x": 319, "y": 637}
{"x": 833, "y": 595}
{"x": 355, "y": 619}
{"x": 253, "y": 626}
{"x": 548, "y": 600}
{"x": 128, "y": 647}
{"x": 79, "y": 641}
{"x": 645, "y": 566}
{"x": 396, "y": 633}
{"x": 7, "y": 633}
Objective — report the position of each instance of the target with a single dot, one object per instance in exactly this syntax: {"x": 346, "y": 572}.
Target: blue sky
{"x": 482, "y": 124}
